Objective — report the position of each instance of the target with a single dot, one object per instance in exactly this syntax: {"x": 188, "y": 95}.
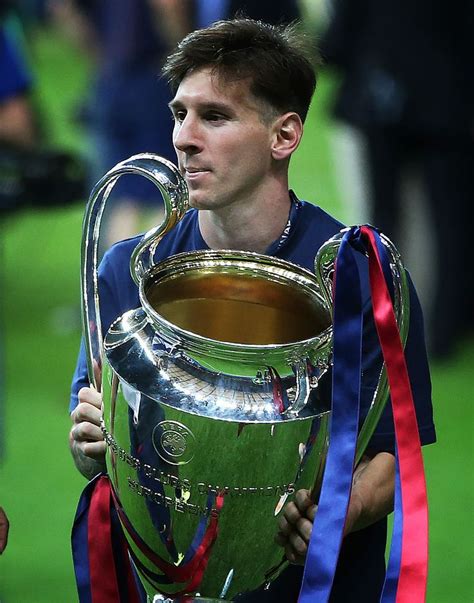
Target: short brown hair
{"x": 276, "y": 59}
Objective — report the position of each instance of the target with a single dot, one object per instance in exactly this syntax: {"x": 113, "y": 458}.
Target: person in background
{"x": 415, "y": 127}
{"x": 18, "y": 125}
{"x": 127, "y": 109}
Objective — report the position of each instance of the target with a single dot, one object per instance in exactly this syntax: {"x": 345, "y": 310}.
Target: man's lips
{"x": 194, "y": 174}
{"x": 195, "y": 170}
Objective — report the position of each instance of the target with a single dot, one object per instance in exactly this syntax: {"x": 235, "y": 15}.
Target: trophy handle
{"x": 324, "y": 271}
{"x": 173, "y": 189}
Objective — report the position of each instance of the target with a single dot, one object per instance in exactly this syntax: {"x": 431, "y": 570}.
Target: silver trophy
{"x": 212, "y": 413}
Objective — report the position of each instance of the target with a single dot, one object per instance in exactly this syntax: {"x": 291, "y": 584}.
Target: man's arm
{"x": 371, "y": 499}
{"x": 73, "y": 21}
{"x": 86, "y": 439}
{"x": 172, "y": 19}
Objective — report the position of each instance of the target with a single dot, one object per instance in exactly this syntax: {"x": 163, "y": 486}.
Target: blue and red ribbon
{"x": 412, "y": 500}
{"x": 326, "y": 537}
{"x": 407, "y": 568}
{"x": 101, "y": 562}
{"x": 101, "y": 553}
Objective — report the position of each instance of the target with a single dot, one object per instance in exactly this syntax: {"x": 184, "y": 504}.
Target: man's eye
{"x": 215, "y": 117}
{"x": 179, "y": 116}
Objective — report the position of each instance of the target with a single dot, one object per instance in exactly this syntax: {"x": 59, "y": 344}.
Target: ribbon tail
{"x": 414, "y": 507}
{"x": 104, "y": 573}
{"x": 327, "y": 533}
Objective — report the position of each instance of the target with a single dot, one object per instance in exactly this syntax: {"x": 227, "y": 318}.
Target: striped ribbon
{"x": 407, "y": 569}
{"x": 104, "y": 573}
{"x": 101, "y": 563}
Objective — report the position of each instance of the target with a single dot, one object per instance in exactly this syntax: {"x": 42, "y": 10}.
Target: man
{"x": 242, "y": 92}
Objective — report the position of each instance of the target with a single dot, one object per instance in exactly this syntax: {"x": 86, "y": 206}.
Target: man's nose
{"x": 186, "y": 136}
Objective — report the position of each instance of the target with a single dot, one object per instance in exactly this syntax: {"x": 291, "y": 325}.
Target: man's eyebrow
{"x": 205, "y": 106}
{"x": 217, "y": 106}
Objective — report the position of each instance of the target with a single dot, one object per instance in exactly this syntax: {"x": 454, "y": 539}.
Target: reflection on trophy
{"x": 213, "y": 412}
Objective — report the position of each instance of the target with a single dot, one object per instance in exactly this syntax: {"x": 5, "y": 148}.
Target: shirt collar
{"x": 275, "y": 247}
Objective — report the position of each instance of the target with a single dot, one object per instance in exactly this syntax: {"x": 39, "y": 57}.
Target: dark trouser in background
{"x": 446, "y": 167}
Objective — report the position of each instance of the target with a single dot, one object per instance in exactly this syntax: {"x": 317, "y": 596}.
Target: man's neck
{"x": 252, "y": 226}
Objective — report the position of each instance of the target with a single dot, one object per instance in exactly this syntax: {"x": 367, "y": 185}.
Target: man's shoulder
{"x": 318, "y": 218}
{"x": 121, "y": 250}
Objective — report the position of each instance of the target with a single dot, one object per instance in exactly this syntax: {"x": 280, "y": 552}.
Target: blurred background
{"x": 388, "y": 139}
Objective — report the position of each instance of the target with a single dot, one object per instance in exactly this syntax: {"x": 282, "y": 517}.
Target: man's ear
{"x": 288, "y": 130}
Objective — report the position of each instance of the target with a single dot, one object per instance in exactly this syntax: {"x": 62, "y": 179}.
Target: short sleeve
{"x": 383, "y": 438}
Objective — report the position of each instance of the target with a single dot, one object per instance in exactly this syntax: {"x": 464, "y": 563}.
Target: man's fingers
{"x": 292, "y": 556}
{"x": 88, "y": 395}
{"x": 289, "y": 553}
{"x": 291, "y": 514}
{"x": 304, "y": 528}
{"x": 303, "y": 506}
{"x": 303, "y": 501}
{"x": 295, "y": 527}
{"x": 86, "y": 412}
{"x": 298, "y": 544}
{"x": 94, "y": 450}
{"x": 86, "y": 435}
{"x": 311, "y": 512}
{"x": 86, "y": 432}
{"x": 4, "y": 527}
{"x": 284, "y": 526}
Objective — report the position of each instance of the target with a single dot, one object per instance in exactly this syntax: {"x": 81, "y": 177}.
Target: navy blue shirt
{"x": 361, "y": 567}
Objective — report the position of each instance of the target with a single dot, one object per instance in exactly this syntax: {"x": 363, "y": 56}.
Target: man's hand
{"x": 295, "y": 525}
{"x": 85, "y": 438}
{"x": 371, "y": 499}
{"x": 4, "y": 527}
{"x": 86, "y": 434}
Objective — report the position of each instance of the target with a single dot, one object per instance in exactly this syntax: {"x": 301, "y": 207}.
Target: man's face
{"x": 222, "y": 144}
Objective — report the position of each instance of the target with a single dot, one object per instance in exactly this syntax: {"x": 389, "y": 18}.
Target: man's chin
{"x": 198, "y": 202}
